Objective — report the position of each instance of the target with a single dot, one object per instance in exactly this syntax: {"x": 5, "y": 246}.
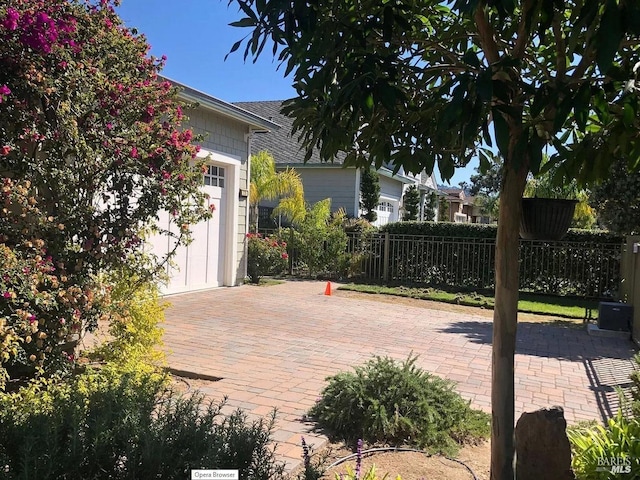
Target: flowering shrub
{"x": 266, "y": 256}
{"x": 86, "y": 120}
{"x": 41, "y": 303}
{"x": 90, "y": 151}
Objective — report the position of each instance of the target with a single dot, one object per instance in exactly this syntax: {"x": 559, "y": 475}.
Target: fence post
{"x": 385, "y": 258}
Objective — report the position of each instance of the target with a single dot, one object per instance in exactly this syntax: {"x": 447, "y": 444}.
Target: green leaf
{"x": 540, "y": 100}
{"x": 245, "y": 22}
{"x": 486, "y": 136}
{"x": 446, "y": 167}
{"x": 609, "y": 36}
{"x": 628, "y": 115}
{"x": 233, "y": 48}
{"x": 386, "y": 94}
{"x": 501, "y": 130}
{"x": 387, "y": 23}
{"x": 484, "y": 85}
{"x": 485, "y": 163}
{"x": 535, "y": 153}
{"x": 581, "y": 106}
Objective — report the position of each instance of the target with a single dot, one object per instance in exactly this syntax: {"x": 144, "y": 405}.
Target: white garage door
{"x": 198, "y": 265}
{"x": 387, "y": 212}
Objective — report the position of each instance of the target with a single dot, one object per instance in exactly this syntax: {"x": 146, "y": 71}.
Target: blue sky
{"x": 195, "y": 36}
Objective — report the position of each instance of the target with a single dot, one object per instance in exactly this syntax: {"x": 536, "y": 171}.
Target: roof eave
{"x": 255, "y": 122}
{"x": 385, "y": 172}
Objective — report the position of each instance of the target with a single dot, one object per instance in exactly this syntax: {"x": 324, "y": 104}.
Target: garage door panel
{"x": 200, "y": 264}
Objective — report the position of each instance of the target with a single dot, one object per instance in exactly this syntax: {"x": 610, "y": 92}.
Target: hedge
{"x": 476, "y": 230}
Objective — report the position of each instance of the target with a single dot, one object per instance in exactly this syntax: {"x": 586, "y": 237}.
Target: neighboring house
{"x": 463, "y": 208}
{"x": 216, "y": 257}
{"x": 329, "y": 180}
{"x": 457, "y": 205}
{"x": 475, "y": 212}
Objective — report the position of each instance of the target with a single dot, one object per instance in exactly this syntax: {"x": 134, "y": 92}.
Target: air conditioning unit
{"x": 615, "y": 316}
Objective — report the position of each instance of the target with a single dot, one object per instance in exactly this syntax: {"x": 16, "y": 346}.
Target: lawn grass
{"x": 564, "y": 307}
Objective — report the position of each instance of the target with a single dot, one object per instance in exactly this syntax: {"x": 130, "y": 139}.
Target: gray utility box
{"x": 615, "y": 316}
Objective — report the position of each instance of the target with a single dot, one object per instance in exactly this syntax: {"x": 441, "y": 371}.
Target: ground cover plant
{"x": 564, "y": 307}
{"x": 398, "y": 403}
{"x": 122, "y": 423}
{"x": 612, "y": 450}
{"x": 598, "y": 450}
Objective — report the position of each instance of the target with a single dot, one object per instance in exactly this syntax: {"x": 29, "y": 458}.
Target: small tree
{"x": 443, "y": 211}
{"x": 369, "y": 193}
{"x": 269, "y": 184}
{"x": 430, "y": 206}
{"x": 411, "y": 204}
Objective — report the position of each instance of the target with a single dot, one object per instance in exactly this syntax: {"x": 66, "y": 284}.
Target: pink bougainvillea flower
{"x": 10, "y": 22}
{"x": 5, "y": 150}
{"x": 285, "y": 255}
{"x": 4, "y": 91}
{"x": 134, "y": 152}
{"x": 212, "y": 207}
{"x": 6, "y": 294}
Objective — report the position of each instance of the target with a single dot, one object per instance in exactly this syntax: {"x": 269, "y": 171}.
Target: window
{"x": 385, "y": 207}
{"x": 214, "y": 176}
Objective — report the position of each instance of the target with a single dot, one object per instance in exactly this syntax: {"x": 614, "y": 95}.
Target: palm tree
{"x": 267, "y": 184}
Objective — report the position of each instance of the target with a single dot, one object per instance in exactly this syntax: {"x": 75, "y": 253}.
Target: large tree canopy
{"x": 422, "y": 83}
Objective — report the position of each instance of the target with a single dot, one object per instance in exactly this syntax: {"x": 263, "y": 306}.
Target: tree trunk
{"x": 253, "y": 218}
{"x": 505, "y": 320}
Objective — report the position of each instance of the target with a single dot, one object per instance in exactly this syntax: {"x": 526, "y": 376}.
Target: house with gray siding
{"x": 329, "y": 180}
{"x": 217, "y": 255}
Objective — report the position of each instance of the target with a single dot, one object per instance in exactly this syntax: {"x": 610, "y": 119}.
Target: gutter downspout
{"x": 245, "y": 255}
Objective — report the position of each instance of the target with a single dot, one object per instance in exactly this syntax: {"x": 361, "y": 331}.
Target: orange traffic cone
{"x": 327, "y": 291}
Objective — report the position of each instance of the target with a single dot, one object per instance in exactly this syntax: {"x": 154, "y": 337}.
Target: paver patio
{"x": 274, "y": 346}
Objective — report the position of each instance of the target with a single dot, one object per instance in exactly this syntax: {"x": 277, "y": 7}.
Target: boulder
{"x": 542, "y": 446}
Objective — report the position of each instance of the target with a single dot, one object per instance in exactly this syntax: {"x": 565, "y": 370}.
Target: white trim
{"x": 230, "y": 254}
{"x": 245, "y": 247}
{"x": 356, "y": 207}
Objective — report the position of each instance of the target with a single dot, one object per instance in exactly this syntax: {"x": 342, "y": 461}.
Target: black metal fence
{"x": 558, "y": 267}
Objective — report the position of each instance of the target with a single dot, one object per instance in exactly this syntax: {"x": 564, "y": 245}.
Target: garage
{"x": 203, "y": 263}
{"x": 217, "y": 255}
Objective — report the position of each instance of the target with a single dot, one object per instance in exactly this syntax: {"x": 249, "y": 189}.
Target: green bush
{"x": 266, "y": 256}
{"x": 398, "y": 403}
{"x": 585, "y": 263}
{"x": 474, "y": 230}
{"x": 135, "y": 315}
{"x": 596, "y": 447}
{"x": 121, "y": 424}
{"x": 319, "y": 241}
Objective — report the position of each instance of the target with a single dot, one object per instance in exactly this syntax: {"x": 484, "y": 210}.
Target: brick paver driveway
{"x": 273, "y": 347}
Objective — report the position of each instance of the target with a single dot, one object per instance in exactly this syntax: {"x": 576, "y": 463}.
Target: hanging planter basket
{"x": 546, "y": 218}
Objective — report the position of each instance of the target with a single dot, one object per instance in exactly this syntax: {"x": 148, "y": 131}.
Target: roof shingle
{"x": 280, "y": 143}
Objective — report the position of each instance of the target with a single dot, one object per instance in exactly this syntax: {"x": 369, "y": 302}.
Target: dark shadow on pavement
{"x": 608, "y": 362}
